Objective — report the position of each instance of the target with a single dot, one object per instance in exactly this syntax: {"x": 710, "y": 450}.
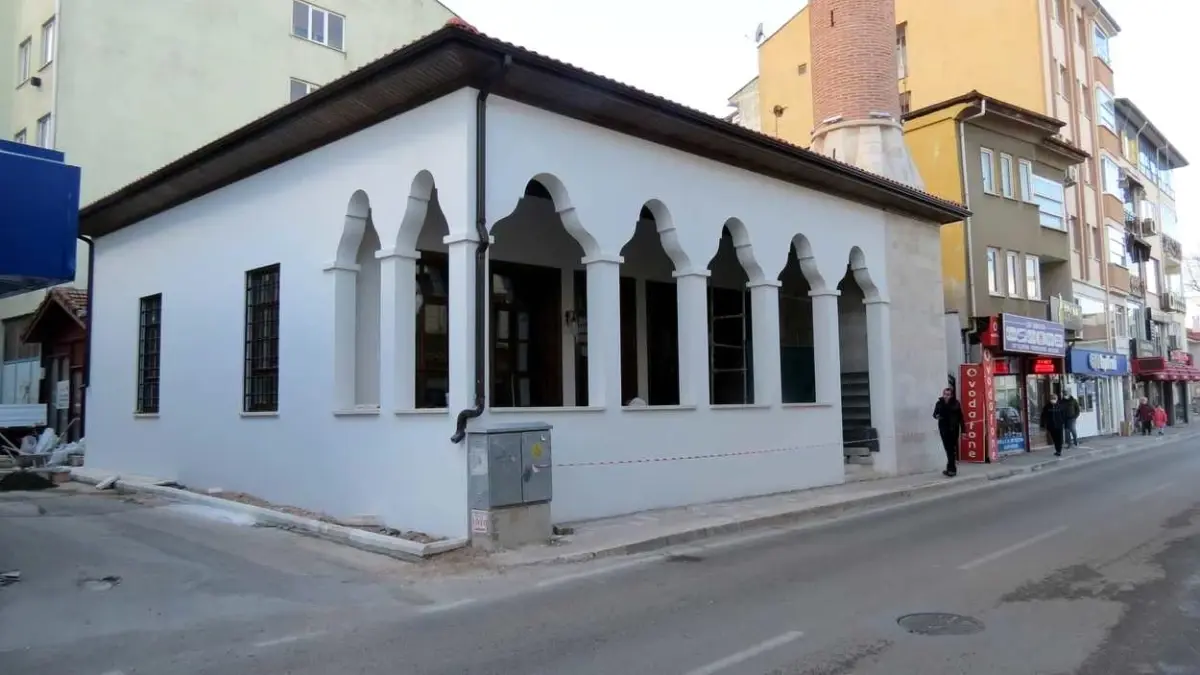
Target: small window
{"x": 993, "y": 270}
{"x": 47, "y": 42}
{"x": 45, "y": 132}
{"x": 1112, "y": 177}
{"x": 1014, "y": 274}
{"x": 23, "y": 61}
{"x": 1097, "y": 243}
{"x": 1059, "y": 11}
{"x": 1106, "y": 109}
{"x": 261, "y": 371}
{"x": 902, "y": 50}
{"x": 802, "y": 69}
{"x": 1088, "y": 168}
{"x": 1051, "y": 200}
{"x": 1117, "y": 254}
{"x": 1033, "y": 277}
{"x": 318, "y": 25}
{"x": 1085, "y": 101}
{"x": 1152, "y": 285}
{"x": 987, "y": 165}
{"x": 1100, "y": 44}
{"x": 299, "y": 89}
{"x": 149, "y": 349}
{"x": 1080, "y": 28}
{"x": 16, "y": 349}
{"x": 1064, "y": 82}
{"x": 1026, "y": 171}
{"x": 20, "y": 136}
{"x": 905, "y": 102}
{"x": 1006, "y": 176}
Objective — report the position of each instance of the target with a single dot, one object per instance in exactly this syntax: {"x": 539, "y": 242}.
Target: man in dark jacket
{"x": 1054, "y": 421}
{"x": 1072, "y": 406}
{"x": 948, "y": 412}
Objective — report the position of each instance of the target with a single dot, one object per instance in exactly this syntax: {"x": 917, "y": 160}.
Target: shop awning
{"x": 1158, "y": 368}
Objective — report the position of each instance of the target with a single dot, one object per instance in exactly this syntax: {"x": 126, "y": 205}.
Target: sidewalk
{"x": 650, "y": 530}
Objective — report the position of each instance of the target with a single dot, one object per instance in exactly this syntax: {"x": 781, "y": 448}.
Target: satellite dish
{"x": 758, "y": 33}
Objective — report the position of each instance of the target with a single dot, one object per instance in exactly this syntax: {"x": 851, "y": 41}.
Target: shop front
{"x": 1165, "y": 380}
{"x": 1096, "y": 380}
{"x": 1028, "y": 365}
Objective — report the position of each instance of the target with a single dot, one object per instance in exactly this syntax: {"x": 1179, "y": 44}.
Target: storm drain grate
{"x": 684, "y": 558}
{"x": 940, "y": 623}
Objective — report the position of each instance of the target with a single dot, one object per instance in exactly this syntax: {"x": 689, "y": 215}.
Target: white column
{"x": 397, "y": 329}
{"x": 692, "y": 294}
{"x": 345, "y": 322}
{"x": 604, "y": 330}
{"x": 643, "y": 342}
{"x": 879, "y": 366}
{"x": 764, "y": 313}
{"x": 461, "y": 291}
{"x": 827, "y": 348}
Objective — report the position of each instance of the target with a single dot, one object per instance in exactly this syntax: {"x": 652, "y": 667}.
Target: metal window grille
{"x": 149, "y": 350}
{"x": 261, "y": 390}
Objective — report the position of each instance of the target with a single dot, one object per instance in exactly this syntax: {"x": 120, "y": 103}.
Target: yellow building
{"x": 1050, "y": 57}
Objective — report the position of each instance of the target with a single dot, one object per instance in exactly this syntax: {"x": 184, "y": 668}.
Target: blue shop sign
{"x": 1026, "y": 335}
{"x": 1097, "y": 364}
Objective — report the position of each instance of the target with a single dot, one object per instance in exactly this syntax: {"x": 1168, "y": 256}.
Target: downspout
{"x": 962, "y": 148}
{"x": 57, "y": 74}
{"x": 481, "y": 231}
{"x": 87, "y": 321}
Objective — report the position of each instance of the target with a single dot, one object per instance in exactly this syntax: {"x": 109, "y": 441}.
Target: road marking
{"x": 566, "y": 578}
{"x": 1012, "y": 549}
{"x": 430, "y": 609}
{"x": 288, "y": 639}
{"x": 1142, "y": 495}
{"x": 747, "y": 654}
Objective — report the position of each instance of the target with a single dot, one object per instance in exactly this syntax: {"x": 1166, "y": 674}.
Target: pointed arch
{"x": 358, "y": 210}
{"x": 808, "y": 262}
{"x": 862, "y": 274}
{"x": 744, "y": 250}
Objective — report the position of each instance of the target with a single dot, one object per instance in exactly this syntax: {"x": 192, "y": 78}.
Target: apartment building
{"x": 1050, "y": 57}
{"x": 126, "y": 87}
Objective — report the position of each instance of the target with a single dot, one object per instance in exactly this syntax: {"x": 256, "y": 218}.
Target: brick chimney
{"x": 856, "y": 100}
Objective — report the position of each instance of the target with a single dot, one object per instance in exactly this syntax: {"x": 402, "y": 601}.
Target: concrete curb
{"x": 855, "y": 504}
{"x": 348, "y": 536}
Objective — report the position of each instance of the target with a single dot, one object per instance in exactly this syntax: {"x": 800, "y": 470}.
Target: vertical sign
{"x": 978, "y": 397}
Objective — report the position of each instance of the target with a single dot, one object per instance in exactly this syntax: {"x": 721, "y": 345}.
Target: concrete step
{"x": 856, "y": 451}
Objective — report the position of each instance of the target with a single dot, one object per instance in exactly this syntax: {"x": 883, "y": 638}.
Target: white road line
{"x": 431, "y": 609}
{"x": 566, "y": 578}
{"x": 1012, "y": 549}
{"x": 288, "y": 639}
{"x": 1142, "y": 495}
{"x": 747, "y": 654}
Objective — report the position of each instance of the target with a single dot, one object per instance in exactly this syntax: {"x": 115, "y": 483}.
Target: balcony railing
{"x": 1172, "y": 249}
{"x": 1172, "y": 301}
{"x": 1137, "y": 286}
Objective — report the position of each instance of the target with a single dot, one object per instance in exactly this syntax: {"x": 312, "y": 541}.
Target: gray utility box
{"x": 510, "y": 484}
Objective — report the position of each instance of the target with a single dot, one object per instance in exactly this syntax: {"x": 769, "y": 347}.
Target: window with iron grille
{"x": 149, "y": 350}
{"x": 261, "y": 389}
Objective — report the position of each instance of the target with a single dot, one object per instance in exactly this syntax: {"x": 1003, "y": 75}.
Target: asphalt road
{"x": 1089, "y": 570}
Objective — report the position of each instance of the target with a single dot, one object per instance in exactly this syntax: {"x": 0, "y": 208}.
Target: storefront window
{"x": 1010, "y": 429}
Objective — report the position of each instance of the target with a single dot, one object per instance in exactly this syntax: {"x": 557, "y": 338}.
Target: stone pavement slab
{"x": 651, "y": 530}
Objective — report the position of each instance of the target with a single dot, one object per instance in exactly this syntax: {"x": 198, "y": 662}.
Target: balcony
{"x": 1137, "y": 286}
{"x": 1139, "y": 247}
{"x": 1172, "y": 301}
{"x": 1104, "y": 73}
{"x": 1118, "y": 278}
{"x": 1172, "y": 249}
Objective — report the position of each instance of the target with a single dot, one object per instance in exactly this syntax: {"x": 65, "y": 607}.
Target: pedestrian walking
{"x": 951, "y": 423}
{"x": 1160, "y": 419}
{"x": 1144, "y": 416}
{"x": 1054, "y": 421}
{"x": 1072, "y": 405}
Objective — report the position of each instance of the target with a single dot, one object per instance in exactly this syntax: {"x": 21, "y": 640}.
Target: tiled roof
{"x": 74, "y": 300}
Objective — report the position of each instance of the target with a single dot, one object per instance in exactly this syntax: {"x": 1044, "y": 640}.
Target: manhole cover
{"x": 101, "y": 584}
{"x": 938, "y": 623}
{"x": 684, "y": 558}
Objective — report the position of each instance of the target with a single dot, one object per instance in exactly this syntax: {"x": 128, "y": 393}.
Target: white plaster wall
{"x": 401, "y": 466}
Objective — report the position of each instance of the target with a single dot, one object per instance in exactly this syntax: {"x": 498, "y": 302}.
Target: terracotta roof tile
{"x": 73, "y": 300}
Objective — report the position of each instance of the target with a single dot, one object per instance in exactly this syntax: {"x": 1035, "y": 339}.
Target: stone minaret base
{"x": 875, "y": 145}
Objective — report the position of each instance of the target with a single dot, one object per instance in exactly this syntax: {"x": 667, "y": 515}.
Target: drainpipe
{"x": 57, "y": 75}
{"x": 962, "y": 148}
{"x": 481, "y": 231}
{"x": 87, "y": 344}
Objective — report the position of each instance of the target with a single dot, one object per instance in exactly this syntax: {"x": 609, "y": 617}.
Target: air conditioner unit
{"x": 1149, "y": 227}
{"x": 1072, "y": 176}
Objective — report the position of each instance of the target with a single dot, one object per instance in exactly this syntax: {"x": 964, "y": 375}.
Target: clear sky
{"x": 700, "y": 53}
